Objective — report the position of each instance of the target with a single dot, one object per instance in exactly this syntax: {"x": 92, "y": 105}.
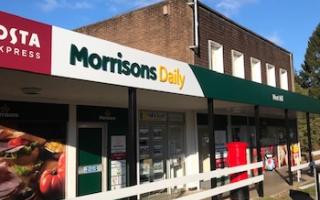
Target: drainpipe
{"x": 195, "y": 45}
{"x": 292, "y": 73}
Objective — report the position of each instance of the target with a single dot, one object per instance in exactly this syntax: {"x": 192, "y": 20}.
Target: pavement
{"x": 276, "y": 183}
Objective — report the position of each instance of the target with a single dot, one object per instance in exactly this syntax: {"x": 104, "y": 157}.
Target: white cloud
{"x": 82, "y": 5}
{"x": 229, "y": 7}
{"x": 119, "y": 6}
{"x": 50, "y": 5}
{"x": 275, "y": 38}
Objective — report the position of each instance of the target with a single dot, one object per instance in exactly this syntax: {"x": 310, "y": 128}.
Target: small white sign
{"x": 118, "y": 144}
{"x": 89, "y": 169}
{"x": 279, "y": 98}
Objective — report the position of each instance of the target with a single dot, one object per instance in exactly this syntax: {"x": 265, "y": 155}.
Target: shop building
{"x": 100, "y": 116}
{"x": 192, "y": 32}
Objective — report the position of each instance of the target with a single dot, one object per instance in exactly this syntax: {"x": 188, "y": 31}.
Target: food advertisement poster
{"x": 283, "y": 155}
{"x": 31, "y": 167}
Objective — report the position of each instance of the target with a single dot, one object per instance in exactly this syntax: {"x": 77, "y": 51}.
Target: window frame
{"x": 219, "y": 46}
{"x": 253, "y": 62}
{"x": 286, "y": 87}
{"x": 233, "y": 53}
{"x": 268, "y": 65}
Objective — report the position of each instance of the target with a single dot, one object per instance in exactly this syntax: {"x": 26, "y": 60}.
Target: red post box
{"x": 237, "y": 155}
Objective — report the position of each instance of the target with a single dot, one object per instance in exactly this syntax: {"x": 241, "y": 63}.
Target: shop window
{"x": 284, "y": 79}
{"x": 271, "y": 75}
{"x": 255, "y": 70}
{"x": 237, "y": 64}
{"x": 216, "y": 56}
{"x": 161, "y": 145}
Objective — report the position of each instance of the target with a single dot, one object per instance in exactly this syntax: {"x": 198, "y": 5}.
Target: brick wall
{"x": 151, "y": 30}
{"x": 231, "y": 36}
{"x": 171, "y": 34}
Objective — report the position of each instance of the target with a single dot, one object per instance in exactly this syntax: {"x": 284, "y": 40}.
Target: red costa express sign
{"x": 24, "y": 44}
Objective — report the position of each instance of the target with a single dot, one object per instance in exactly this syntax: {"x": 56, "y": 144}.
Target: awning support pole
{"x": 258, "y": 146}
{"x": 212, "y": 142}
{"x": 309, "y": 141}
{"x": 288, "y": 146}
{"x": 132, "y": 137}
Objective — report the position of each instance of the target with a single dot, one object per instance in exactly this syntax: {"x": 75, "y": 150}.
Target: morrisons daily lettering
{"x": 125, "y": 67}
{"x": 111, "y": 64}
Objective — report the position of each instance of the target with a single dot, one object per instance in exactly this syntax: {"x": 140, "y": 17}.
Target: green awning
{"x": 228, "y": 88}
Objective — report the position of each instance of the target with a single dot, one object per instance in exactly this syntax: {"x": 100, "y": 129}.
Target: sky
{"x": 288, "y": 23}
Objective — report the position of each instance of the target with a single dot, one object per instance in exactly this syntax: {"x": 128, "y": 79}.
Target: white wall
{"x": 192, "y": 154}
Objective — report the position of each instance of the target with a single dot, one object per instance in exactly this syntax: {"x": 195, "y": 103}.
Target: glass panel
{"x": 176, "y": 153}
{"x": 152, "y": 137}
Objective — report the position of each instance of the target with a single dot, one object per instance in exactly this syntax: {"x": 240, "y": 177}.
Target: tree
{"x": 309, "y": 76}
{"x": 302, "y": 126}
{"x": 308, "y": 83}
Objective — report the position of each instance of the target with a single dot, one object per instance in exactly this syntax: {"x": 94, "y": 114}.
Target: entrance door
{"x": 91, "y": 160}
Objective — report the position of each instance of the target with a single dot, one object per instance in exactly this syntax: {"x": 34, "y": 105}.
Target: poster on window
{"x": 118, "y": 174}
{"x": 31, "y": 166}
{"x": 283, "y": 155}
{"x": 295, "y": 154}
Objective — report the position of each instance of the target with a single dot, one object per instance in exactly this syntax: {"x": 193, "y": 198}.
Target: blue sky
{"x": 288, "y": 23}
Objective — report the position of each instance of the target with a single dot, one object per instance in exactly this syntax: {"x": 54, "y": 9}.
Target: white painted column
{"x": 71, "y": 154}
{"x": 192, "y": 150}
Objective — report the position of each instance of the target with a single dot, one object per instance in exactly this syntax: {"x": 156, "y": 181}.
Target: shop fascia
{"x": 124, "y": 67}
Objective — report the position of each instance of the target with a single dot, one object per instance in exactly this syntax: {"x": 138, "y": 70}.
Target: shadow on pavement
{"x": 299, "y": 195}
{"x": 285, "y": 178}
